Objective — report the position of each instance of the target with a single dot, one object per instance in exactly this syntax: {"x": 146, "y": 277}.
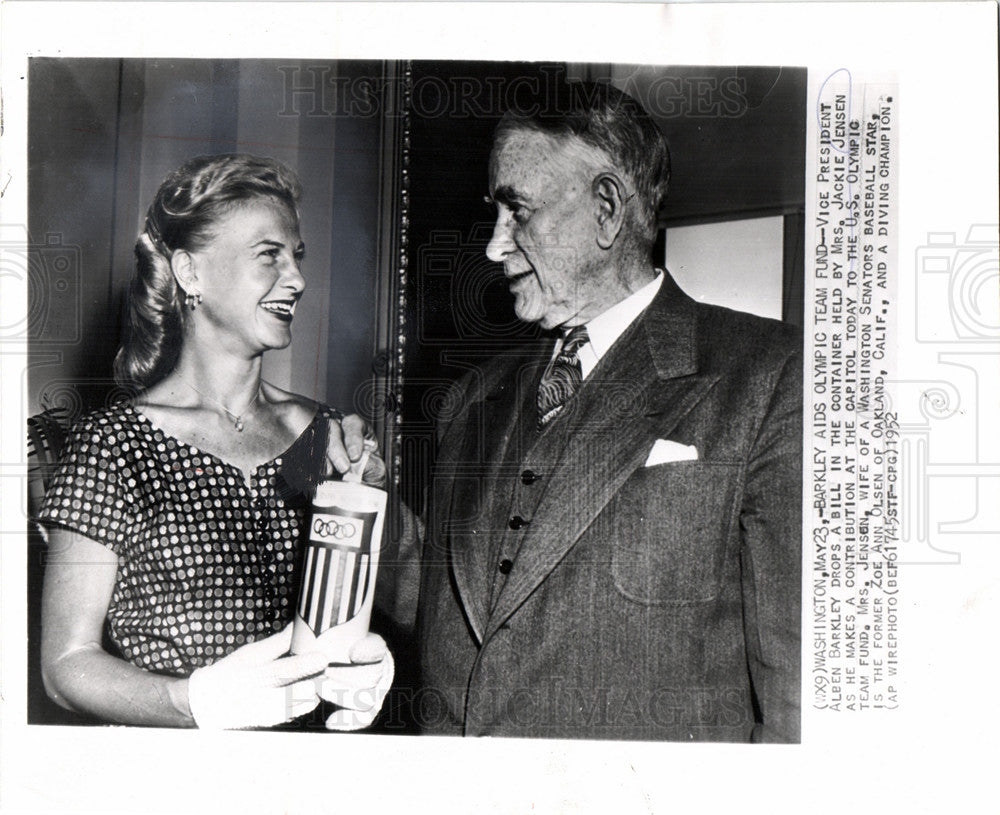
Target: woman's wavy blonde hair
{"x": 186, "y": 207}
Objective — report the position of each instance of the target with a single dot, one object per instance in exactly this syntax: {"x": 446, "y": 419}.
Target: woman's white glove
{"x": 358, "y": 689}
{"x": 256, "y": 685}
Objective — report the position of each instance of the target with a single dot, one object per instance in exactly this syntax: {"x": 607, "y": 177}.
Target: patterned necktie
{"x": 562, "y": 377}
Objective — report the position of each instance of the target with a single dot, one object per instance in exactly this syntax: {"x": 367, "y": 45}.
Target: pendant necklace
{"x": 237, "y": 419}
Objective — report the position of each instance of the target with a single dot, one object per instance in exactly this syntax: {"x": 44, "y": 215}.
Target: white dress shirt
{"x": 607, "y": 327}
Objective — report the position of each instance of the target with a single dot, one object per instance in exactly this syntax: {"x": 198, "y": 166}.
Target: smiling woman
{"x": 248, "y": 275}
{"x": 173, "y": 517}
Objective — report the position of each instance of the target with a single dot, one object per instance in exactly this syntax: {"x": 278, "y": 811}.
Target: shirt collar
{"x": 607, "y": 327}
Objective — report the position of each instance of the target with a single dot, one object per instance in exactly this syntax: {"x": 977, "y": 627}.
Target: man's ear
{"x": 610, "y": 194}
{"x": 183, "y": 267}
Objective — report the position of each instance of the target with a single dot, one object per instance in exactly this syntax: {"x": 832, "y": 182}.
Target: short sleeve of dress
{"x": 90, "y": 491}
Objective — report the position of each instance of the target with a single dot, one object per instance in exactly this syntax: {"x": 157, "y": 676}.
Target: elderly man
{"x": 614, "y": 537}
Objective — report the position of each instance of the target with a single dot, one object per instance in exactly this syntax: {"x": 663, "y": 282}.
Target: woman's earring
{"x": 192, "y": 300}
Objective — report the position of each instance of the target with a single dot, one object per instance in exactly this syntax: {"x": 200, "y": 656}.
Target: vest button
{"x": 517, "y": 522}
{"x": 528, "y": 477}
{"x": 505, "y": 566}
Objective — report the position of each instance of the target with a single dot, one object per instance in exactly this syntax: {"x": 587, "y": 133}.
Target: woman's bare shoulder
{"x": 296, "y": 410}
{"x": 165, "y": 404}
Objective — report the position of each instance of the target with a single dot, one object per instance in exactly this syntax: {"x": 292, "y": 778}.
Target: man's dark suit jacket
{"x": 568, "y": 590}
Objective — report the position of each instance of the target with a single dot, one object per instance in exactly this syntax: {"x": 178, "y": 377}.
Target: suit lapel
{"x": 474, "y": 476}
{"x": 642, "y": 388}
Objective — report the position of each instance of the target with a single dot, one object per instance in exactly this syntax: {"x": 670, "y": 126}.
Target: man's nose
{"x": 502, "y": 242}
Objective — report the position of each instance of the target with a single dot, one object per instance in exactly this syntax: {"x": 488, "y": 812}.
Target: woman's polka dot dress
{"x": 206, "y": 561}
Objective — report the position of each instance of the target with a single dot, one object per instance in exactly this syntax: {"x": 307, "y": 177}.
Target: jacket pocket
{"x": 671, "y": 531}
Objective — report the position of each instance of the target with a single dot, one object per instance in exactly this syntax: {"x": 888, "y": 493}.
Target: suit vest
{"x": 528, "y": 460}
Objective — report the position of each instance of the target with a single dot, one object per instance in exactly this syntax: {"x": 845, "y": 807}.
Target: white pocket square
{"x": 665, "y": 451}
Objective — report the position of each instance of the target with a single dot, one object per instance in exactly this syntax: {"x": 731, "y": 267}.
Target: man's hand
{"x": 347, "y": 442}
{"x": 358, "y": 689}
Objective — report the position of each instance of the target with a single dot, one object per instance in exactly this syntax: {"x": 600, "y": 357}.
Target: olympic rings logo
{"x": 332, "y": 529}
